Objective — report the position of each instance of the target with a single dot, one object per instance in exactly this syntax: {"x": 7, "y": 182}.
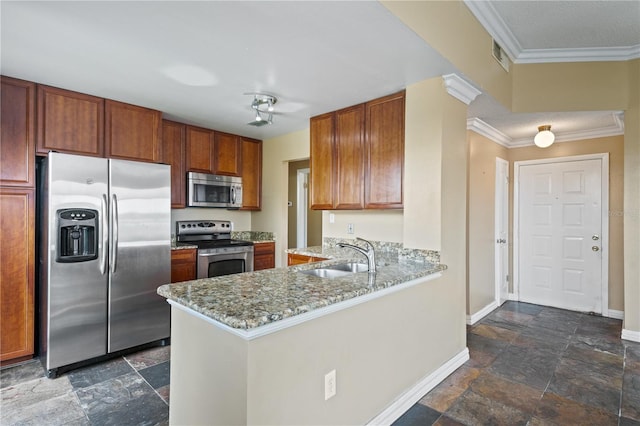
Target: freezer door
{"x": 140, "y": 256}
{"x": 74, "y": 287}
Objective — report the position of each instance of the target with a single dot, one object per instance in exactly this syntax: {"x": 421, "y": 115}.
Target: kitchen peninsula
{"x": 254, "y": 348}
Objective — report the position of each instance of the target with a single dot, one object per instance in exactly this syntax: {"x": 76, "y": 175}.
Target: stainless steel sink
{"x": 350, "y": 267}
{"x": 339, "y": 270}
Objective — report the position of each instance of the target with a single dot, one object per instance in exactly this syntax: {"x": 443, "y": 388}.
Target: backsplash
{"x": 393, "y": 249}
{"x": 253, "y": 235}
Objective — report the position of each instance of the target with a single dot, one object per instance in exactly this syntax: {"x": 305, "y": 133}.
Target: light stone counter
{"x": 254, "y": 299}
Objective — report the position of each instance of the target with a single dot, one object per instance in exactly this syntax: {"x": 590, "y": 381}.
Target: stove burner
{"x": 206, "y": 234}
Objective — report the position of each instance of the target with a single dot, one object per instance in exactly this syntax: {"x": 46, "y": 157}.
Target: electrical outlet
{"x": 329, "y": 384}
{"x": 332, "y": 218}
{"x": 350, "y": 228}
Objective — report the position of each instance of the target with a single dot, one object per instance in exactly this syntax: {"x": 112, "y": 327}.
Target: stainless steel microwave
{"x": 205, "y": 190}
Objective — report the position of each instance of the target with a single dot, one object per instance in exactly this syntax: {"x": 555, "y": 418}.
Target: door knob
{"x": 595, "y": 248}
{"x": 501, "y": 241}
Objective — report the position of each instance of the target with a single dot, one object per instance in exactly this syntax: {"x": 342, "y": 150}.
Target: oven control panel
{"x": 203, "y": 227}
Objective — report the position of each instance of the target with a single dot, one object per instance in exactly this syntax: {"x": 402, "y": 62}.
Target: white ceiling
{"x": 195, "y": 60}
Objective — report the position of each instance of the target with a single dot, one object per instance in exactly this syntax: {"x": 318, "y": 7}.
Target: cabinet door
{"x": 321, "y": 161}
{"x": 200, "y": 150}
{"x": 132, "y": 132}
{"x": 251, "y": 174}
{"x": 228, "y": 154}
{"x": 349, "y": 158}
{"x": 173, "y": 153}
{"x": 69, "y": 122}
{"x": 264, "y": 256}
{"x": 17, "y": 273}
{"x": 17, "y": 132}
{"x": 385, "y": 152}
{"x": 183, "y": 265}
{"x": 297, "y": 259}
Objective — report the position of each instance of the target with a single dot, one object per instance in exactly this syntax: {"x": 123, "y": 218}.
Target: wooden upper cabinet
{"x": 385, "y": 152}
{"x": 17, "y": 276}
{"x": 228, "y": 154}
{"x": 251, "y": 174}
{"x": 349, "y": 158}
{"x": 17, "y": 132}
{"x": 173, "y": 153}
{"x": 321, "y": 161}
{"x": 200, "y": 150}
{"x": 357, "y": 156}
{"x": 132, "y": 132}
{"x": 69, "y": 122}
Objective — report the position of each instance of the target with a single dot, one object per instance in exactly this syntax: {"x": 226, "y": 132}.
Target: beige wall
{"x": 276, "y": 154}
{"x": 576, "y": 86}
{"x": 278, "y": 379}
{"x": 451, "y": 29}
{"x": 481, "y": 220}
{"x": 632, "y": 203}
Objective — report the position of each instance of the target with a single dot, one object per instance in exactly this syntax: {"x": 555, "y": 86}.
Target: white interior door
{"x": 560, "y": 227}
{"x": 502, "y": 230}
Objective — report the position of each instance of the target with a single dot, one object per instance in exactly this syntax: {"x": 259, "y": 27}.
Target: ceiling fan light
{"x": 545, "y": 137}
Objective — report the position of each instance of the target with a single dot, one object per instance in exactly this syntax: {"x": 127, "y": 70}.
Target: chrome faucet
{"x": 369, "y": 252}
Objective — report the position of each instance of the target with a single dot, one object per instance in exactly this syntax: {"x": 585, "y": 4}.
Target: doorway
{"x": 502, "y": 231}
{"x": 561, "y": 226}
{"x": 304, "y": 224}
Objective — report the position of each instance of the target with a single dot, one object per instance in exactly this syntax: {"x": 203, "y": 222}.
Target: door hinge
{"x": 507, "y": 278}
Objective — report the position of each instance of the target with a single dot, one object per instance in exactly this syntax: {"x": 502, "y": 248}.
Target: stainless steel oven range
{"x": 218, "y": 254}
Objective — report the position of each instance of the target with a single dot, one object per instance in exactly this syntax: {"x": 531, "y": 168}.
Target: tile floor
{"x": 534, "y": 365}
{"x": 529, "y": 365}
{"x": 129, "y": 390}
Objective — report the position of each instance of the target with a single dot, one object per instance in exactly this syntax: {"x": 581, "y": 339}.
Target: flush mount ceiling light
{"x": 262, "y": 104}
{"x": 545, "y": 137}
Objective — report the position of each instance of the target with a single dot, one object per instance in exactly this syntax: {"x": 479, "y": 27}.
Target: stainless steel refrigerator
{"x": 105, "y": 249}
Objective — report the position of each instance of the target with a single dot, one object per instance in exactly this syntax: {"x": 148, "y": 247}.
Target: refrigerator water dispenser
{"x": 77, "y": 235}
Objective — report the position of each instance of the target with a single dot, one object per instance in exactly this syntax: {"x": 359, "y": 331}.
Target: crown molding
{"x": 598, "y": 54}
{"x": 489, "y": 132}
{"x": 459, "y": 88}
{"x": 493, "y": 23}
{"x": 477, "y": 125}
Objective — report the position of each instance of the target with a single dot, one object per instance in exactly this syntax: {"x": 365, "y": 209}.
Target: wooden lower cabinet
{"x": 17, "y": 257}
{"x": 264, "y": 255}
{"x": 183, "y": 265}
{"x": 297, "y": 259}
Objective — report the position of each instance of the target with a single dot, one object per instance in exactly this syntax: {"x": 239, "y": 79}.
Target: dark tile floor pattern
{"x": 529, "y": 365}
{"x": 534, "y": 365}
{"x": 129, "y": 390}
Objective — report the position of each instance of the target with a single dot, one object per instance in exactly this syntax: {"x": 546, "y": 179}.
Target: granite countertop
{"x": 253, "y": 299}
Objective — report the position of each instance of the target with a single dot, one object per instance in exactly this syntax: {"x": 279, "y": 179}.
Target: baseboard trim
{"x": 474, "y": 318}
{"x": 414, "y": 394}
{"x": 633, "y": 336}
{"x": 513, "y": 296}
{"x": 616, "y": 314}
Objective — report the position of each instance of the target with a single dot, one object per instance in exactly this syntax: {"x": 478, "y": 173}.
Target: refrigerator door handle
{"x": 114, "y": 230}
{"x": 105, "y": 234}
